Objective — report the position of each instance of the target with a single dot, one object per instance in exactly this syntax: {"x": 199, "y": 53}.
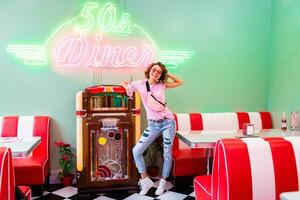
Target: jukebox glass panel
{"x": 109, "y": 151}
{"x": 109, "y": 101}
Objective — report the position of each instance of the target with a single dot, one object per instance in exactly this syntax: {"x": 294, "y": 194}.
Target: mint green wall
{"x": 230, "y": 38}
{"x": 284, "y": 84}
{"x": 228, "y": 71}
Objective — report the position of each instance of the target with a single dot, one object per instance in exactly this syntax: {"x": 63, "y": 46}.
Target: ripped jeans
{"x": 167, "y": 127}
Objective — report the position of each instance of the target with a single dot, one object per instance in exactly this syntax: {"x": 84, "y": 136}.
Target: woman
{"x": 160, "y": 120}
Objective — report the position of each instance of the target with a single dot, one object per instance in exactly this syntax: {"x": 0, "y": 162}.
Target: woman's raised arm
{"x": 175, "y": 81}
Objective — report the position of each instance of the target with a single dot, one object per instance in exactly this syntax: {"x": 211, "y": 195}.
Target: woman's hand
{"x": 124, "y": 84}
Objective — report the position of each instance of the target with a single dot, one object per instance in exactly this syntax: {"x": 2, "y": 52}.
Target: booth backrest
{"x": 219, "y": 121}
{"x": 22, "y": 126}
{"x": 7, "y": 179}
{"x": 255, "y": 168}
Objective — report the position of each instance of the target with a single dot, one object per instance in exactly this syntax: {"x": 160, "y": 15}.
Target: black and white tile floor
{"x": 58, "y": 192}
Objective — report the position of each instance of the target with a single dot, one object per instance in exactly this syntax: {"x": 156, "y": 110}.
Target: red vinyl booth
{"x": 33, "y": 169}
{"x": 191, "y": 162}
{"x": 251, "y": 168}
{"x": 7, "y": 177}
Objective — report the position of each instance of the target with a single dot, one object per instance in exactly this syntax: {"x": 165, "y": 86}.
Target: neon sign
{"x": 99, "y": 37}
{"x": 78, "y": 51}
{"x": 107, "y": 19}
{"x": 31, "y": 54}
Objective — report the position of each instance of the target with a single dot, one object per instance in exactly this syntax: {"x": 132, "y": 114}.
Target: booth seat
{"x": 7, "y": 177}
{"x": 251, "y": 169}
{"x": 191, "y": 162}
{"x": 33, "y": 169}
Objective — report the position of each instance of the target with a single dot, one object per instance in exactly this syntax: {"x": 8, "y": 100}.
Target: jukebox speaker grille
{"x": 109, "y": 162}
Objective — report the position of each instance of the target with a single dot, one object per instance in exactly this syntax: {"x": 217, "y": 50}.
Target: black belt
{"x": 159, "y": 120}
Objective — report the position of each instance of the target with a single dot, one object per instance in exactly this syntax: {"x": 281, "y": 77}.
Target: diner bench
{"x": 34, "y": 169}
{"x": 190, "y": 162}
{"x": 7, "y": 177}
{"x": 251, "y": 169}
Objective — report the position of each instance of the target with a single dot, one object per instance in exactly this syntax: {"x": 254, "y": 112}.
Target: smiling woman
{"x": 160, "y": 120}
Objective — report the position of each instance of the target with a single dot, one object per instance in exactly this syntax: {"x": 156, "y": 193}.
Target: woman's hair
{"x": 163, "y": 77}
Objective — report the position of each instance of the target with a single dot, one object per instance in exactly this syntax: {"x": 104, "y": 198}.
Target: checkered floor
{"x": 58, "y": 192}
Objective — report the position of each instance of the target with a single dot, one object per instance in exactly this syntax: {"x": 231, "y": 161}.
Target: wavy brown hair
{"x": 163, "y": 77}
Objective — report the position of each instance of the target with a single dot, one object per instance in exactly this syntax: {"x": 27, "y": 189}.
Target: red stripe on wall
{"x": 283, "y": 155}
{"x": 10, "y": 126}
{"x": 176, "y": 140}
{"x": 266, "y": 120}
{"x": 196, "y": 121}
{"x": 243, "y": 117}
{"x": 239, "y": 170}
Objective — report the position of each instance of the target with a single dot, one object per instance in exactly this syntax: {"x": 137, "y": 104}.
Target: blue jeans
{"x": 167, "y": 127}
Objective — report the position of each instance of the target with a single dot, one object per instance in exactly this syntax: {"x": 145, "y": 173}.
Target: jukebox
{"x": 108, "y": 126}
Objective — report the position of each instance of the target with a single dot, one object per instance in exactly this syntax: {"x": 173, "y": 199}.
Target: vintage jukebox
{"x": 108, "y": 126}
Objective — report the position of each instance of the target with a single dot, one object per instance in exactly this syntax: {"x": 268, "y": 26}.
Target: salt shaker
{"x": 294, "y": 120}
{"x": 283, "y": 121}
{"x": 250, "y": 129}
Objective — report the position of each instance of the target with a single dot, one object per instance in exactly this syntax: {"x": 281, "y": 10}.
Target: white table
{"x": 20, "y": 146}
{"x": 207, "y": 138}
{"x": 290, "y": 195}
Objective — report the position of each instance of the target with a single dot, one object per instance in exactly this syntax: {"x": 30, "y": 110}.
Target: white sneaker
{"x": 146, "y": 184}
{"x": 161, "y": 187}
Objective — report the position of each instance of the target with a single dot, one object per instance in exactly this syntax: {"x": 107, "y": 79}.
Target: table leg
{"x": 208, "y": 158}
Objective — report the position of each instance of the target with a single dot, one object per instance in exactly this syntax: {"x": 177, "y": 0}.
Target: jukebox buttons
{"x": 102, "y": 140}
{"x": 118, "y": 136}
{"x": 114, "y": 135}
{"x": 111, "y": 134}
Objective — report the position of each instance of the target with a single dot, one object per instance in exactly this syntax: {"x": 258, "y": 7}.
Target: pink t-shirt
{"x": 158, "y": 90}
